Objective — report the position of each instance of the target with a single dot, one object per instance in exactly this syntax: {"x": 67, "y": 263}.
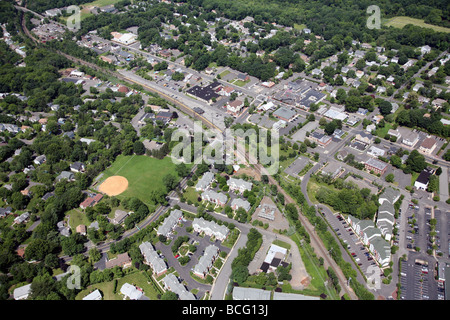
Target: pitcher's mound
{"x": 114, "y": 185}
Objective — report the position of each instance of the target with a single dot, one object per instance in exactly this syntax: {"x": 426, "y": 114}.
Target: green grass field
{"x": 137, "y": 278}
{"x": 400, "y": 22}
{"x": 144, "y": 174}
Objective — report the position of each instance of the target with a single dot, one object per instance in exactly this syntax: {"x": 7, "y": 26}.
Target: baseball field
{"x": 135, "y": 176}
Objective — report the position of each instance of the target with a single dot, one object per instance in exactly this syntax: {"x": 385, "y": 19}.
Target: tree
{"x": 138, "y": 148}
{"x": 385, "y": 107}
{"x": 416, "y": 161}
{"x": 182, "y": 170}
{"x": 169, "y": 295}
{"x": 390, "y": 178}
{"x": 169, "y": 181}
{"x": 239, "y": 274}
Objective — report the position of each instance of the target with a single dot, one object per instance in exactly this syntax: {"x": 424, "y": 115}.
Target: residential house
{"x": 422, "y": 180}
{"x": 239, "y": 184}
{"x": 91, "y": 201}
{"x": 240, "y": 203}
{"x": 67, "y": 175}
{"x": 131, "y": 291}
{"x": 22, "y": 293}
{"x": 94, "y": 295}
{"x": 210, "y": 228}
{"x": 206, "y": 261}
{"x": 234, "y": 107}
{"x": 152, "y": 258}
{"x": 122, "y": 260}
{"x": 428, "y": 145}
{"x": 411, "y": 139}
{"x": 172, "y": 283}
{"x": 81, "y": 229}
{"x": 77, "y": 167}
{"x": 170, "y": 223}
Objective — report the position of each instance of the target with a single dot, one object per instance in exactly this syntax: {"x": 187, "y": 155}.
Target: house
{"x": 22, "y": 293}
{"x": 206, "y": 261}
{"x": 22, "y": 218}
{"x": 94, "y": 295}
{"x": 172, "y": 283}
{"x": 210, "y": 228}
{"x": 411, "y": 139}
{"x": 215, "y": 197}
{"x": 243, "y": 77}
{"x": 170, "y": 223}
{"x": 77, "y": 167}
{"x": 122, "y": 260}
{"x": 240, "y": 203}
{"x": 394, "y": 133}
{"x": 365, "y": 138}
{"x": 131, "y": 292}
{"x": 40, "y": 159}
{"x": 119, "y": 216}
{"x": 91, "y": 201}
{"x": 69, "y": 176}
{"x": 81, "y": 229}
{"x": 422, "y": 180}
{"x": 152, "y": 258}
{"x": 205, "y": 181}
{"x": 425, "y": 49}
{"x": 377, "y": 166}
{"x": 239, "y": 184}
{"x": 428, "y": 145}
{"x": 234, "y": 107}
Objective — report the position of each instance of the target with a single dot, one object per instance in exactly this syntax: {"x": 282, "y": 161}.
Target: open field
{"x": 400, "y": 22}
{"x": 144, "y": 174}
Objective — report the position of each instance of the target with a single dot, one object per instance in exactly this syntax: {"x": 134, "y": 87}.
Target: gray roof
{"x": 284, "y": 113}
{"x": 211, "y": 195}
{"x": 94, "y": 295}
{"x": 65, "y": 175}
{"x": 250, "y": 294}
{"x": 241, "y": 203}
{"x": 152, "y": 257}
{"x": 292, "y": 296}
{"x": 390, "y": 194}
{"x": 205, "y": 181}
{"x": 206, "y": 261}
{"x": 171, "y": 282}
{"x": 22, "y": 292}
{"x": 239, "y": 183}
{"x": 131, "y": 291}
{"x": 210, "y": 227}
{"x": 170, "y": 222}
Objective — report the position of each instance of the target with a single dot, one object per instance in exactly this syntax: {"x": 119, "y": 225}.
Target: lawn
{"x": 144, "y": 174}
{"x": 77, "y": 218}
{"x": 137, "y": 278}
{"x": 400, "y": 22}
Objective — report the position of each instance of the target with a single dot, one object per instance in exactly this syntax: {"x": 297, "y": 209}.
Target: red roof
{"x": 123, "y": 89}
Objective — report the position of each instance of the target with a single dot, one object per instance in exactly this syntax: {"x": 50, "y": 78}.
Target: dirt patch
{"x": 114, "y": 185}
{"x": 249, "y": 172}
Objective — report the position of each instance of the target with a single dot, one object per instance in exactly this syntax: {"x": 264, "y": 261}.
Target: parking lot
{"x": 358, "y": 251}
{"x": 417, "y": 280}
